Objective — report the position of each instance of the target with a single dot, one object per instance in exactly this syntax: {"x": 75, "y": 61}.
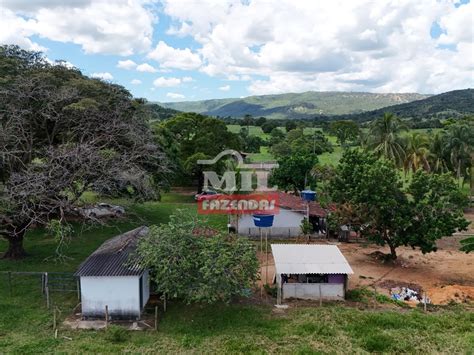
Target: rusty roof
{"x": 296, "y": 203}
{"x": 112, "y": 257}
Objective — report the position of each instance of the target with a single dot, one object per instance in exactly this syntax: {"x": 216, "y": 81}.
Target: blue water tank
{"x": 308, "y": 195}
{"x": 263, "y": 220}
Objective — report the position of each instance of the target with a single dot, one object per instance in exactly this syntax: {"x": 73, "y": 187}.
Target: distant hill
{"x": 450, "y": 104}
{"x": 295, "y": 105}
{"x": 159, "y": 113}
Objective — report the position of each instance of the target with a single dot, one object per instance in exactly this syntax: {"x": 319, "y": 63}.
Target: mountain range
{"x": 336, "y": 105}
{"x": 295, "y": 105}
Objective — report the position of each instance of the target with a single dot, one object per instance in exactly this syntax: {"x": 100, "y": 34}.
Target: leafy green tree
{"x": 281, "y": 149}
{"x": 384, "y": 138}
{"x": 250, "y": 144}
{"x": 290, "y": 125}
{"x": 436, "y": 210}
{"x": 345, "y": 131}
{"x": 191, "y": 135}
{"x": 294, "y": 172}
{"x": 270, "y": 125}
{"x": 276, "y": 136}
{"x": 430, "y": 208}
{"x": 260, "y": 121}
{"x": 300, "y": 143}
{"x": 247, "y": 120}
{"x": 190, "y": 266}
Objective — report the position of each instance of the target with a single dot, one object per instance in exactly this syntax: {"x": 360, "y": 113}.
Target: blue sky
{"x": 204, "y": 49}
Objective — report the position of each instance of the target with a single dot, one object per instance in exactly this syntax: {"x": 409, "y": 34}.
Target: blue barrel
{"x": 308, "y": 195}
{"x": 263, "y": 220}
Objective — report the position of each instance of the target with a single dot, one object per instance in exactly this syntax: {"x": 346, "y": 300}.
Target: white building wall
{"x": 311, "y": 291}
{"x": 146, "y": 287}
{"x": 120, "y": 293}
{"x": 286, "y": 223}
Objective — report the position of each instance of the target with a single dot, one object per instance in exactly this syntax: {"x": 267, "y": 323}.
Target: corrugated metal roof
{"x": 112, "y": 257}
{"x": 309, "y": 259}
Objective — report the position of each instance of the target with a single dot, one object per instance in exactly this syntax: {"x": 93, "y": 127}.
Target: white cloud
{"x": 187, "y": 79}
{"x": 103, "y": 76}
{"x": 120, "y": 27}
{"x": 224, "y": 88}
{"x": 175, "y": 58}
{"x": 166, "y": 82}
{"x": 126, "y": 64}
{"x": 16, "y": 30}
{"x": 145, "y": 67}
{"x": 330, "y": 45}
{"x": 136, "y": 82}
{"x": 175, "y": 96}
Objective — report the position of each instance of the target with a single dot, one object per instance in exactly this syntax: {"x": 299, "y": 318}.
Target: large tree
{"x": 189, "y": 264}
{"x": 345, "y": 131}
{"x": 62, "y": 134}
{"x": 188, "y": 136}
{"x": 430, "y": 208}
{"x": 294, "y": 173}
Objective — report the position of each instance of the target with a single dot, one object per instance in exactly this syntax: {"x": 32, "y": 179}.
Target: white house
{"x": 287, "y": 222}
{"x": 107, "y": 278}
{"x": 310, "y": 271}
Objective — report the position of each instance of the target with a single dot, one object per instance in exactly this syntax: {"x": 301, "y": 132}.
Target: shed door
{"x": 141, "y": 292}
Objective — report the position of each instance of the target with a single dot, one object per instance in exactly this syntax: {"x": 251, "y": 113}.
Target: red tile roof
{"x": 296, "y": 203}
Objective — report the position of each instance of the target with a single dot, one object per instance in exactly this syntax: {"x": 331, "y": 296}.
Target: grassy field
{"x": 241, "y": 327}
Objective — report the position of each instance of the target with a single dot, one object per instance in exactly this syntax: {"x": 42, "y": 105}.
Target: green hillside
{"x": 158, "y": 113}
{"x": 450, "y": 104}
{"x": 295, "y": 105}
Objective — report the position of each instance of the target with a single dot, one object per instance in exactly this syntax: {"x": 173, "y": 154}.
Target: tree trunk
{"x": 15, "y": 247}
{"x": 200, "y": 181}
{"x": 393, "y": 252}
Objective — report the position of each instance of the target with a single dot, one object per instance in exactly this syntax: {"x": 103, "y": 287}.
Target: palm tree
{"x": 416, "y": 153}
{"x": 384, "y": 138}
{"x": 460, "y": 146}
{"x": 438, "y": 160}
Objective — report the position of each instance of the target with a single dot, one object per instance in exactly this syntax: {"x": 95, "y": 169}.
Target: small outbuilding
{"x": 310, "y": 271}
{"x": 287, "y": 222}
{"x": 107, "y": 278}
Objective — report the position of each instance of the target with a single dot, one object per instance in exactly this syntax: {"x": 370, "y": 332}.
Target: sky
{"x": 179, "y": 50}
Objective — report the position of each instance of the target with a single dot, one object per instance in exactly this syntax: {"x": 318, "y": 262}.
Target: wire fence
{"x": 46, "y": 283}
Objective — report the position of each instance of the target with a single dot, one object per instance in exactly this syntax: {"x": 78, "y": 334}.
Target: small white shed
{"x": 108, "y": 279}
{"x": 310, "y": 271}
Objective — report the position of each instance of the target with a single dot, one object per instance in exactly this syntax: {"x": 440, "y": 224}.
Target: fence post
{"x": 375, "y": 297}
{"x": 78, "y": 286}
{"x": 320, "y": 296}
{"x": 106, "y": 316}
{"x": 424, "y": 301}
{"x": 46, "y": 288}
{"x": 54, "y": 318}
{"x": 10, "y": 290}
{"x": 156, "y": 317}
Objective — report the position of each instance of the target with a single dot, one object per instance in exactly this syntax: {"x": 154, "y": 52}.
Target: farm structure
{"x": 110, "y": 280}
{"x": 310, "y": 271}
{"x": 287, "y": 222}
